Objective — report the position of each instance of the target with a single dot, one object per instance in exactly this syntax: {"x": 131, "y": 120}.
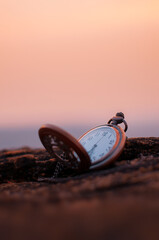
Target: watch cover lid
{"x": 64, "y": 147}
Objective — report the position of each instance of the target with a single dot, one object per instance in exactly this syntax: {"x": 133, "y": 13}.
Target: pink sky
{"x": 69, "y": 62}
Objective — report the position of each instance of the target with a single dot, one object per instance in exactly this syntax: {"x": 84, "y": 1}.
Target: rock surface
{"x": 120, "y": 202}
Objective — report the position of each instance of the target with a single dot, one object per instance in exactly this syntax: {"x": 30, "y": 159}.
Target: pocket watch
{"x": 95, "y": 149}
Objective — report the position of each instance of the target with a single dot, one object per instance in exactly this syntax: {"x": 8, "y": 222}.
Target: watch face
{"x": 98, "y": 142}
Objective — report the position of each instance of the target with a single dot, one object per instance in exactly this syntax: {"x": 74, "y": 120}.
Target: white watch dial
{"x": 98, "y": 142}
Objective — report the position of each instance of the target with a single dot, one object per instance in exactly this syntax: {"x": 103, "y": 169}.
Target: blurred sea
{"x": 21, "y": 137}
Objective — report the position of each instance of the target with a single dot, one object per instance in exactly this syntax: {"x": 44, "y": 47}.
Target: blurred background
{"x": 75, "y": 64}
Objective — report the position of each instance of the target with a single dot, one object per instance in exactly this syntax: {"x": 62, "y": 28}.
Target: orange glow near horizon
{"x": 78, "y": 61}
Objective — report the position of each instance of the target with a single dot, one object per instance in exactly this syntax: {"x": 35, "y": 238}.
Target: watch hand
{"x": 92, "y": 149}
{"x": 94, "y": 146}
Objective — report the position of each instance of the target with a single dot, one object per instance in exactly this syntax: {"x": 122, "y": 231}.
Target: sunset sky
{"x": 78, "y": 62}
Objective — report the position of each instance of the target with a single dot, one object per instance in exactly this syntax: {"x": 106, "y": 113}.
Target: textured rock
{"x": 120, "y": 202}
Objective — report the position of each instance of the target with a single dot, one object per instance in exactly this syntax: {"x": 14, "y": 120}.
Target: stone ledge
{"x": 120, "y": 202}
